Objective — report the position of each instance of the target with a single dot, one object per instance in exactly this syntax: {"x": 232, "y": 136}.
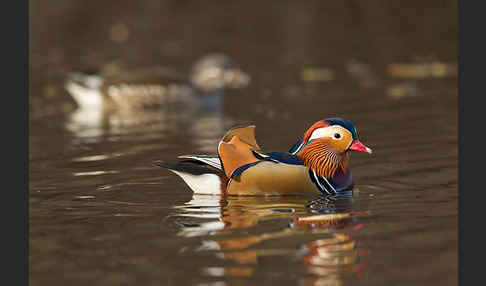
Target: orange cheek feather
{"x": 343, "y": 144}
{"x": 321, "y": 156}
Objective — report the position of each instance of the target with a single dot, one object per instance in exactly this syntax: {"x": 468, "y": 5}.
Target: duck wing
{"x": 147, "y": 87}
{"x": 211, "y": 160}
{"x": 236, "y": 149}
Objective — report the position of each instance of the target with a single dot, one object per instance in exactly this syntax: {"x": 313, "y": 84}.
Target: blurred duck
{"x": 318, "y": 162}
{"x": 155, "y": 86}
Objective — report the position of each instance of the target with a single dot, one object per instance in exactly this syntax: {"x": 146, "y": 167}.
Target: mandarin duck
{"x": 317, "y": 163}
{"x": 155, "y": 86}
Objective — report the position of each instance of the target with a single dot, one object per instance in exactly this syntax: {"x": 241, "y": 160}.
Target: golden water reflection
{"x": 318, "y": 234}
{"x": 203, "y": 128}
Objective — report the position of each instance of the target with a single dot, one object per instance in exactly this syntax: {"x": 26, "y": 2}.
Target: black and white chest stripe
{"x": 298, "y": 149}
{"x": 322, "y": 183}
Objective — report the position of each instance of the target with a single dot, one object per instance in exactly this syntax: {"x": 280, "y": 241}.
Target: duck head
{"x": 216, "y": 71}
{"x": 326, "y": 145}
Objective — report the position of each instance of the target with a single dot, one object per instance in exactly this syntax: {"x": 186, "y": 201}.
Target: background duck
{"x": 155, "y": 86}
{"x": 318, "y": 162}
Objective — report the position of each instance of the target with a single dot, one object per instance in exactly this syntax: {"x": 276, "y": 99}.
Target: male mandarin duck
{"x": 318, "y": 162}
{"x": 154, "y": 86}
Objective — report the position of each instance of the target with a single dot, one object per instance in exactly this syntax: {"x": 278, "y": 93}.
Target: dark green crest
{"x": 344, "y": 123}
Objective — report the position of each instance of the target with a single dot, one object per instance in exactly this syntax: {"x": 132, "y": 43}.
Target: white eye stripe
{"x": 329, "y": 132}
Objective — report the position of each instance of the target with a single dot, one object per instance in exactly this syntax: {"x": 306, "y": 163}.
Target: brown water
{"x": 101, "y": 214}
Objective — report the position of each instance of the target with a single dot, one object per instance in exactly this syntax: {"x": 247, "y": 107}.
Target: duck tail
{"x": 200, "y": 177}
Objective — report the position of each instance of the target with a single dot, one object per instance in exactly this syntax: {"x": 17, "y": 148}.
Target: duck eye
{"x": 337, "y": 135}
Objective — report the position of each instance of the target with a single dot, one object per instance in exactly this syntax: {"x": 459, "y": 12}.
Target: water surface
{"x": 101, "y": 214}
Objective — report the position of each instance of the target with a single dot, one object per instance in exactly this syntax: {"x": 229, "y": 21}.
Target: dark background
{"x": 266, "y": 37}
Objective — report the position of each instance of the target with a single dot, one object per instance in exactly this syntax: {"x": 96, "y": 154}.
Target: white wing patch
{"x": 208, "y": 184}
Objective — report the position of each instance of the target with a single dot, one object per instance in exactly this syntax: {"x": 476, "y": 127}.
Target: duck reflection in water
{"x": 118, "y": 101}
{"x": 318, "y": 234}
